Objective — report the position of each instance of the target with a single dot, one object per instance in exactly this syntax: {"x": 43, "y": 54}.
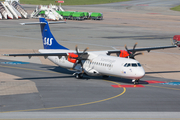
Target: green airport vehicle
{"x": 78, "y": 16}
{"x": 86, "y": 15}
{"x": 68, "y": 15}
{"x": 60, "y": 12}
{"x": 96, "y": 16}
{"x": 72, "y": 15}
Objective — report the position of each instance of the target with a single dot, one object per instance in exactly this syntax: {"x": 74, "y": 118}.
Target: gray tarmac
{"x": 59, "y": 92}
{"x": 41, "y": 90}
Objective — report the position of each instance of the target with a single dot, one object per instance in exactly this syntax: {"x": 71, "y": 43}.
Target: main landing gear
{"x": 78, "y": 75}
{"x": 136, "y": 81}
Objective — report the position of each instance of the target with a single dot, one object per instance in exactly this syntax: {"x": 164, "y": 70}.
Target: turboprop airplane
{"x": 94, "y": 63}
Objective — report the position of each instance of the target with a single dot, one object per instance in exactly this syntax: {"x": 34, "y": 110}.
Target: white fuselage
{"x": 99, "y": 63}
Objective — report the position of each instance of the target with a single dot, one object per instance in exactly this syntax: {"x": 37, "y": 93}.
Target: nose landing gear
{"x": 136, "y": 81}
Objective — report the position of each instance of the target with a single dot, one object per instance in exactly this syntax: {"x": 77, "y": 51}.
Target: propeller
{"x": 79, "y": 58}
{"x": 132, "y": 54}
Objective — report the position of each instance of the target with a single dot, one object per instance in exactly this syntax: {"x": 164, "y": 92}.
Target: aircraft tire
{"x": 78, "y": 76}
{"x": 136, "y": 82}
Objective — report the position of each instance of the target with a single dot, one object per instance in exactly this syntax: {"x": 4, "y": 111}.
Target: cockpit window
{"x": 128, "y": 65}
{"x": 139, "y": 64}
{"x": 125, "y": 65}
{"x": 132, "y": 65}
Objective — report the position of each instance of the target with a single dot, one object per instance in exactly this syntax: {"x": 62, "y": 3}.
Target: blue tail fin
{"x": 49, "y": 41}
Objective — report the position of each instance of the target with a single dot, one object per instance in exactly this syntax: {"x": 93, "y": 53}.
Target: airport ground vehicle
{"x": 78, "y": 16}
{"x": 96, "y": 16}
{"x": 60, "y": 12}
{"x": 86, "y": 15}
{"x": 67, "y": 14}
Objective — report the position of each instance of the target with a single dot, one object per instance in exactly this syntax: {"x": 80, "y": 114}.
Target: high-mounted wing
{"x": 152, "y": 48}
{"x": 131, "y": 52}
{"x": 45, "y": 54}
{"x": 38, "y": 54}
{"x": 142, "y": 49}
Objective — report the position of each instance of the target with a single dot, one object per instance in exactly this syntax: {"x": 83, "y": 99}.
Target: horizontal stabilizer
{"x": 38, "y": 54}
{"x": 35, "y": 23}
{"x": 32, "y": 23}
{"x": 56, "y": 22}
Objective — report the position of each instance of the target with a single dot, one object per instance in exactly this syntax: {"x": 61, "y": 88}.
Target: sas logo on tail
{"x": 48, "y": 41}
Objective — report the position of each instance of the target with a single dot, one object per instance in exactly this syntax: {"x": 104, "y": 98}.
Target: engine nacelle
{"x": 71, "y": 57}
{"x": 123, "y": 53}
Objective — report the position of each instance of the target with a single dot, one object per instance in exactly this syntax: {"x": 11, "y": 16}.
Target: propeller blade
{"x": 132, "y": 54}
{"x": 74, "y": 65}
{"x": 127, "y": 49}
{"x": 83, "y": 53}
{"x": 80, "y": 58}
{"x": 82, "y": 67}
{"x": 85, "y": 50}
{"x": 134, "y": 48}
{"x": 77, "y": 50}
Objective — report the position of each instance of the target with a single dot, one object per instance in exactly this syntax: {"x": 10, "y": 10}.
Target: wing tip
{"x": 5, "y": 54}
{"x": 22, "y": 23}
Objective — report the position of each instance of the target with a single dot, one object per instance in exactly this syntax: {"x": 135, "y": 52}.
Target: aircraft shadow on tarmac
{"x": 60, "y": 70}
{"x": 36, "y": 78}
{"x": 65, "y": 73}
{"x": 85, "y": 77}
{"x": 162, "y": 72}
{"x": 55, "y": 69}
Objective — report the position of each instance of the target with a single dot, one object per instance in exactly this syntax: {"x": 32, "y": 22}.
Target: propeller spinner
{"x": 79, "y": 58}
{"x": 132, "y": 54}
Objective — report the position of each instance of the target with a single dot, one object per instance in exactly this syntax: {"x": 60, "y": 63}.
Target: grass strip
{"x": 177, "y": 8}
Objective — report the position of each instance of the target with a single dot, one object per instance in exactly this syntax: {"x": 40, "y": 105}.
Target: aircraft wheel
{"x": 136, "y": 82}
{"x": 78, "y": 76}
{"x": 81, "y": 75}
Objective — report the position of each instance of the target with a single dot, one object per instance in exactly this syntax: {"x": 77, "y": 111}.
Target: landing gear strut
{"x": 136, "y": 81}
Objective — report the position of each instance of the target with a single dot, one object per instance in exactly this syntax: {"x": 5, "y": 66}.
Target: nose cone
{"x": 140, "y": 73}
